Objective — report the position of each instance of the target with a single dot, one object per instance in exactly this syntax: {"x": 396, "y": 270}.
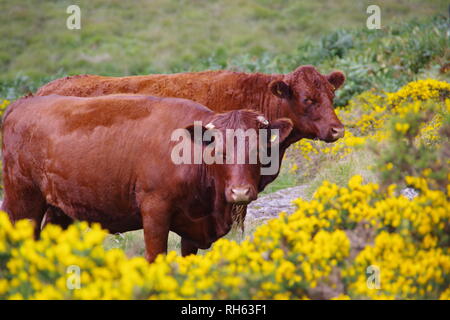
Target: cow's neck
{"x": 265, "y": 102}
{"x": 204, "y": 184}
{"x": 274, "y": 108}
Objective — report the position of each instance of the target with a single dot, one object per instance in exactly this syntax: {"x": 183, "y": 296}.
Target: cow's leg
{"x": 56, "y": 216}
{"x": 24, "y": 203}
{"x": 187, "y": 247}
{"x": 156, "y": 223}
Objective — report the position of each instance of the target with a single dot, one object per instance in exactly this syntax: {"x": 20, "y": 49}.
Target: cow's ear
{"x": 336, "y": 78}
{"x": 196, "y": 133}
{"x": 280, "y": 89}
{"x": 280, "y": 130}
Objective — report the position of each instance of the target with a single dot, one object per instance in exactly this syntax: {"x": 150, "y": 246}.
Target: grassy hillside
{"x": 119, "y": 38}
{"x": 265, "y": 36}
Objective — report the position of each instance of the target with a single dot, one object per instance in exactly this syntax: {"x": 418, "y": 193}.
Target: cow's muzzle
{"x": 334, "y": 133}
{"x": 241, "y": 194}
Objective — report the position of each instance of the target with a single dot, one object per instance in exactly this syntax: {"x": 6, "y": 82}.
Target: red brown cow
{"x": 305, "y": 96}
{"x": 109, "y": 160}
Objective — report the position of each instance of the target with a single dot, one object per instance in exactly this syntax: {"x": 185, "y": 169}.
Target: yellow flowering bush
{"x": 411, "y": 243}
{"x": 410, "y": 118}
{"x": 285, "y": 259}
{"x": 363, "y": 118}
{"x": 426, "y": 217}
{"x": 418, "y": 138}
{"x": 3, "y": 106}
{"x": 420, "y": 90}
{"x": 406, "y": 270}
{"x": 40, "y": 269}
{"x": 312, "y": 149}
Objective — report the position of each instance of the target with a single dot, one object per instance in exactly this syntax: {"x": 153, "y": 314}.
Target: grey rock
{"x": 270, "y": 206}
{"x": 410, "y": 193}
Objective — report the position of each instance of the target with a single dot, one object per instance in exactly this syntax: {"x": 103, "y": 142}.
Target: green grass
{"x": 284, "y": 180}
{"x": 133, "y": 242}
{"x": 383, "y": 59}
{"x": 121, "y": 38}
{"x": 339, "y": 172}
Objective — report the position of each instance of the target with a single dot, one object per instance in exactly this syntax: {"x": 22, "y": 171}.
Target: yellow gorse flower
{"x": 420, "y": 90}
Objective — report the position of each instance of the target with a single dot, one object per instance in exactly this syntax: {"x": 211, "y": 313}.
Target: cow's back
{"x": 218, "y": 90}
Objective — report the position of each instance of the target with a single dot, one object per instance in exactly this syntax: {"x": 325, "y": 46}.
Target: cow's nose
{"x": 337, "y": 132}
{"x": 241, "y": 194}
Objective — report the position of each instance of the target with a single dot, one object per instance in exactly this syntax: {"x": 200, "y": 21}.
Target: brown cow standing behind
{"x": 108, "y": 160}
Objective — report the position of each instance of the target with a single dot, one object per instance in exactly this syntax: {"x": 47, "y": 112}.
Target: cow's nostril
{"x": 337, "y": 132}
{"x": 244, "y": 191}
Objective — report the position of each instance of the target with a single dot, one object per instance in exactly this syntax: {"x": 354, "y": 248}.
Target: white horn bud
{"x": 263, "y": 120}
{"x": 210, "y": 126}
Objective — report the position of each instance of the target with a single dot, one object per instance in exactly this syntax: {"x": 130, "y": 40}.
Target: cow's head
{"x": 234, "y": 141}
{"x": 309, "y": 102}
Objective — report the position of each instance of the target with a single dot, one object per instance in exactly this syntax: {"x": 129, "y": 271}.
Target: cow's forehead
{"x": 307, "y": 75}
{"x": 240, "y": 119}
{"x": 309, "y": 81}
